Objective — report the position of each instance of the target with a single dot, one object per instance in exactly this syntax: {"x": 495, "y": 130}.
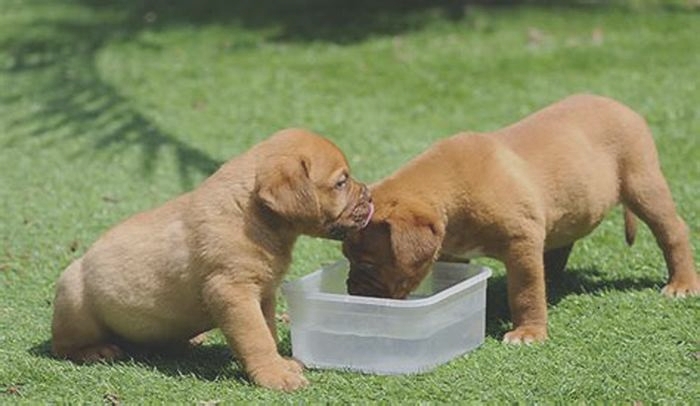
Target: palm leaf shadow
{"x": 52, "y": 62}
{"x": 57, "y": 55}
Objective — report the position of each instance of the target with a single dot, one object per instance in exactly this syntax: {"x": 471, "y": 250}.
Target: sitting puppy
{"x": 530, "y": 189}
{"x": 210, "y": 258}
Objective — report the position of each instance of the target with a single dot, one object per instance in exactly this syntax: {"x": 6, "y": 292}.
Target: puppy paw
{"x": 197, "y": 340}
{"x": 682, "y": 289}
{"x": 284, "y": 375}
{"x": 526, "y": 335}
{"x": 294, "y": 365}
{"x": 96, "y": 353}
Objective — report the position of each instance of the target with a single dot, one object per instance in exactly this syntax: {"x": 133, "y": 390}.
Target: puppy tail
{"x": 630, "y": 226}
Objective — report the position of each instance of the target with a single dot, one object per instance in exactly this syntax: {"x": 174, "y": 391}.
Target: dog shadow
{"x": 207, "y": 362}
{"x": 574, "y": 281}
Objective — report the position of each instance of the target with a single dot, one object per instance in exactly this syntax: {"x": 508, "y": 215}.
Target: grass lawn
{"x": 109, "y": 110}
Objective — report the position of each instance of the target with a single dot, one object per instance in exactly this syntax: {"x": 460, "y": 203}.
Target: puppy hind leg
{"x": 555, "y": 260}
{"x": 75, "y": 333}
{"x": 78, "y": 337}
{"x": 197, "y": 340}
{"x": 650, "y": 199}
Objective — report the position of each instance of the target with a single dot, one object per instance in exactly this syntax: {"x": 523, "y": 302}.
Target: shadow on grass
{"x": 52, "y": 60}
{"x": 335, "y": 21}
{"x": 50, "y": 54}
{"x": 207, "y": 362}
{"x": 213, "y": 362}
{"x": 576, "y": 281}
{"x": 50, "y": 57}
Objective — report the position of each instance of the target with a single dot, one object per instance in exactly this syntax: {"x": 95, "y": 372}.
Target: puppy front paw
{"x": 682, "y": 289}
{"x": 284, "y": 374}
{"x": 526, "y": 335}
{"x": 294, "y": 364}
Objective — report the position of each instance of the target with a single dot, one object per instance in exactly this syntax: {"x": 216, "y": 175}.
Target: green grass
{"x": 108, "y": 110}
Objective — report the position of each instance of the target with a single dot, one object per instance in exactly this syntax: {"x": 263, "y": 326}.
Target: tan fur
{"x": 530, "y": 189}
{"x": 210, "y": 258}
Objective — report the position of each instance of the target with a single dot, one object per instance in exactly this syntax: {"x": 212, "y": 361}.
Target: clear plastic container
{"x": 441, "y": 320}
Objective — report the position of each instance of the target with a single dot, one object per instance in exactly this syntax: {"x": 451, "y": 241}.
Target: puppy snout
{"x": 355, "y": 284}
{"x": 357, "y": 289}
{"x": 355, "y": 215}
{"x": 360, "y": 285}
{"x": 365, "y": 194}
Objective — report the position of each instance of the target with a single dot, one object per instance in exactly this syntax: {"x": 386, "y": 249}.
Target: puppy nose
{"x": 365, "y": 193}
{"x": 353, "y": 286}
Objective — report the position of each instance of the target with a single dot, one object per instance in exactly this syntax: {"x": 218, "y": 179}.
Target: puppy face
{"x": 306, "y": 180}
{"x": 392, "y": 255}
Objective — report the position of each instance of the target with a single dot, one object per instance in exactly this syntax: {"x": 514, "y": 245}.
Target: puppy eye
{"x": 342, "y": 182}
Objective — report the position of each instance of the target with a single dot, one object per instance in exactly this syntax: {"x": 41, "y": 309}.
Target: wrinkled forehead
{"x": 331, "y": 162}
{"x": 326, "y": 159}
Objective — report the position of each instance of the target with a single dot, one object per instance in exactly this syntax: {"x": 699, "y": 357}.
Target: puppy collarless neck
{"x": 270, "y": 230}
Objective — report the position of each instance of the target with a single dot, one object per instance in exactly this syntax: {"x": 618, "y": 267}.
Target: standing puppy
{"x": 522, "y": 195}
{"x": 210, "y": 258}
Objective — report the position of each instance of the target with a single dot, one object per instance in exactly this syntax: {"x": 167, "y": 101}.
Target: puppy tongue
{"x": 369, "y": 215}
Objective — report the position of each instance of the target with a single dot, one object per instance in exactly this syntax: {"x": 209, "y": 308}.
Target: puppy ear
{"x": 416, "y": 237}
{"x": 284, "y": 186}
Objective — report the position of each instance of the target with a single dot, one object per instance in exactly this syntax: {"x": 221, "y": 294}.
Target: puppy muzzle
{"x": 354, "y": 217}
{"x": 358, "y": 288}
